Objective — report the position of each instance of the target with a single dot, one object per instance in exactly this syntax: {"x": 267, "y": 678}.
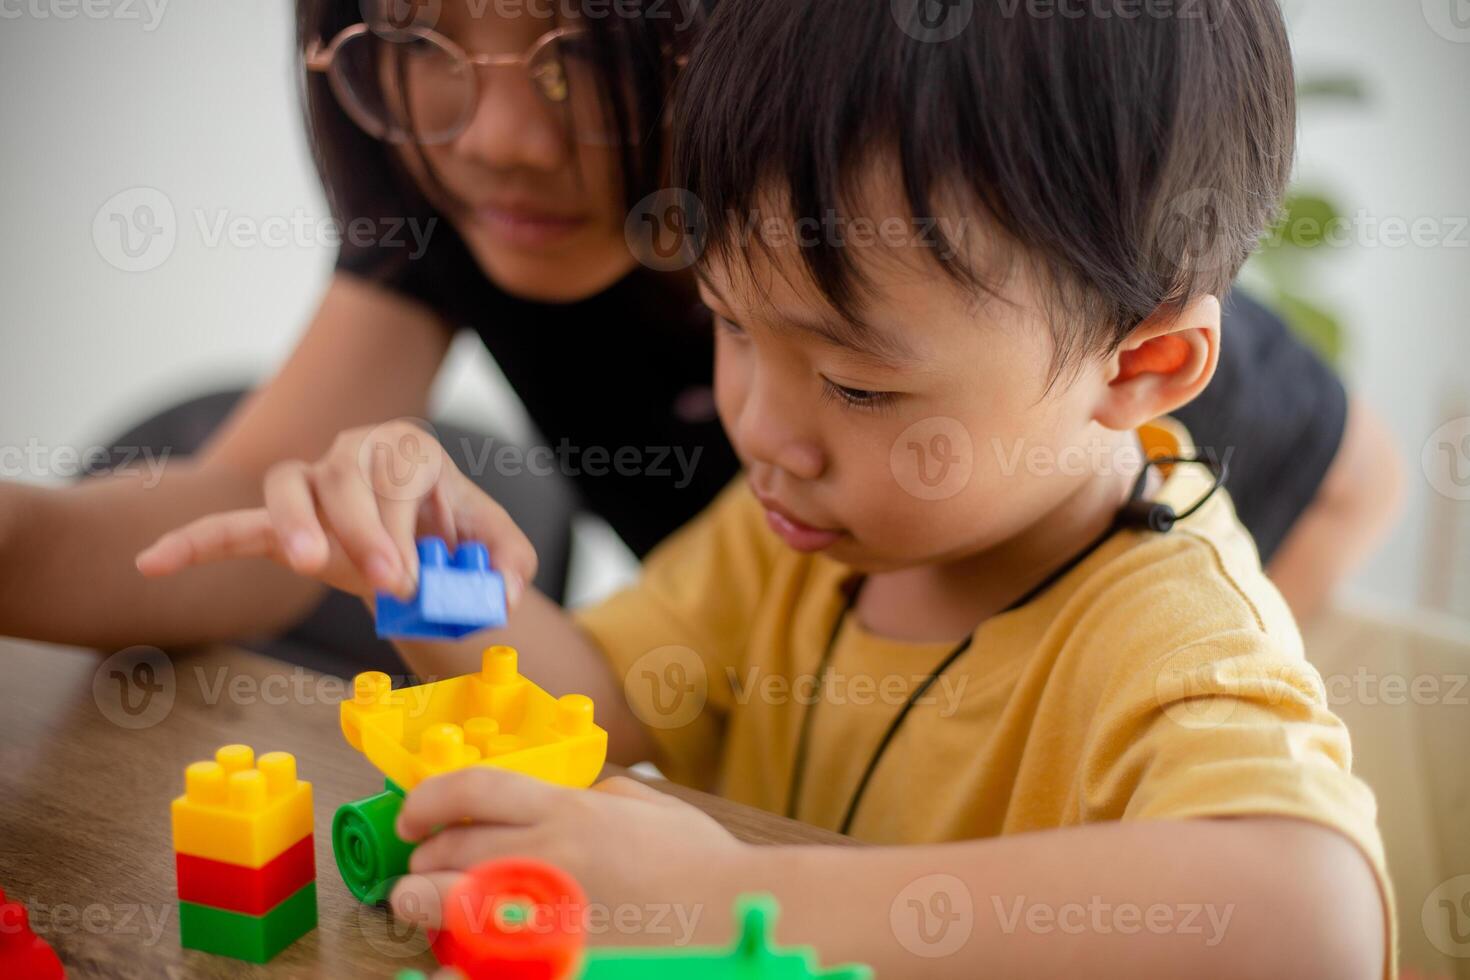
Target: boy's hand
{"x": 623, "y": 841}
{"x": 351, "y": 518}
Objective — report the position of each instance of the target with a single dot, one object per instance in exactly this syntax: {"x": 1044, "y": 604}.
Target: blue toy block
{"x": 454, "y": 598}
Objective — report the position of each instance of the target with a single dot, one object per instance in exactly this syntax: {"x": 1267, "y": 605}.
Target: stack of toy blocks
{"x": 243, "y": 848}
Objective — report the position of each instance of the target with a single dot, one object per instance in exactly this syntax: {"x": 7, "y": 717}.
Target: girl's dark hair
{"x": 1129, "y": 153}
{"x": 636, "y": 44}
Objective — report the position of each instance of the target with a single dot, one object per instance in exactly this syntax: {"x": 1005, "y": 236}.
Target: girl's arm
{"x": 66, "y": 554}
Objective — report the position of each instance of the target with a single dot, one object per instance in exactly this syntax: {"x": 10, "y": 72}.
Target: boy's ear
{"x": 1165, "y": 363}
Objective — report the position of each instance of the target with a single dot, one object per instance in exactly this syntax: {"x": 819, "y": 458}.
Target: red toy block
{"x": 23, "y": 954}
{"x": 514, "y": 919}
{"x": 253, "y": 891}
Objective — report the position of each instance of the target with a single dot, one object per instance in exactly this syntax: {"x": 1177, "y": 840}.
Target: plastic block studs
{"x": 493, "y": 718}
{"x": 244, "y": 854}
{"x": 455, "y": 598}
{"x": 23, "y": 954}
{"x": 519, "y": 919}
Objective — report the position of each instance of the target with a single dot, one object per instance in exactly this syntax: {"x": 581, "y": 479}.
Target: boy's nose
{"x": 773, "y": 432}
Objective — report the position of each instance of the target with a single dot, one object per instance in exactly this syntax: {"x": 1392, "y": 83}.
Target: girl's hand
{"x": 351, "y": 518}
{"x": 624, "y": 842}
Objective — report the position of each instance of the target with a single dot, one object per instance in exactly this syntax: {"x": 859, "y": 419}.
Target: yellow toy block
{"x": 237, "y": 811}
{"x": 493, "y": 718}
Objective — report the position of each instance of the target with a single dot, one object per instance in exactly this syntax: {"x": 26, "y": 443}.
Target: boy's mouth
{"x": 797, "y": 534}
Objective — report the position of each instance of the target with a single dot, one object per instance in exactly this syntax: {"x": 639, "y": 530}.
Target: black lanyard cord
{"x": 1126, "y": 517}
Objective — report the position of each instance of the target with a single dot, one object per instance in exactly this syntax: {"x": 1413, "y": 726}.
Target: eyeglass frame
{"x": 319, "y": 58}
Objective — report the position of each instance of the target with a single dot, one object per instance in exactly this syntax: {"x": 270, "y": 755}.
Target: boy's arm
{"x": 555, "y": 654}
{"x": 1229, "y": 898}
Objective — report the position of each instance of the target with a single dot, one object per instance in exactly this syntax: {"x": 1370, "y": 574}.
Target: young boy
{"x": 943, "y": 608}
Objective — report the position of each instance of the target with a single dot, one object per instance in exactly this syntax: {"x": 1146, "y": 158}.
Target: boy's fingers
{"x": 233, "y": 534}
{"x": 464, "y": 846}
{"x": 634, "y": 790}
{"x": 481, "y": 794}
{"x": 292, "y": 508}
{"x": 420, "y": 898}
{"x": 351, "y": 508}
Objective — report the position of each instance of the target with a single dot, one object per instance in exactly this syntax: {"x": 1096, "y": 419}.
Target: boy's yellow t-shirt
{"x": 1162, "y": 677}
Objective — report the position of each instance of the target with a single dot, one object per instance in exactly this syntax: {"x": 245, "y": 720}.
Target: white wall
{"x": 198, "y": 104}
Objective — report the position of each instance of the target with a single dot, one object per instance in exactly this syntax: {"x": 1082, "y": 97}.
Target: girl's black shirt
{"x": 619, "y": 387}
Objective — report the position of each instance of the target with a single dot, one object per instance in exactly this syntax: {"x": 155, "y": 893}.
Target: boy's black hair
{"x": 1132, "y": 149}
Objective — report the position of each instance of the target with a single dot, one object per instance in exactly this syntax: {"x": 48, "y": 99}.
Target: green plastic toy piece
{"x": 256, "y": 938}
{"x": 752, "y": 957}
{"x": 370, "y": 855}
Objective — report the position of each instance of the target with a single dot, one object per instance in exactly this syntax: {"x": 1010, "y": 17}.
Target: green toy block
{"x": 257, "y": 938}
{"x": 752, "y": 957}
{"x": 370, "y": 855}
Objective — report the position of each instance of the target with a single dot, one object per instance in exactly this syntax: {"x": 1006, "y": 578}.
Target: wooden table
{"x": 93, "y": 748}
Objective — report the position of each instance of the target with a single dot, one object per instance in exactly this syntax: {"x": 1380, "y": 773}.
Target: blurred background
{"x": 164, "y": 236}
{"x": 191, "y": 110}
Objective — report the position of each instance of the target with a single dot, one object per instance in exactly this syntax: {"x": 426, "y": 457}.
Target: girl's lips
{"x": 527, "y": 229}
{"x": 799, "y": 536}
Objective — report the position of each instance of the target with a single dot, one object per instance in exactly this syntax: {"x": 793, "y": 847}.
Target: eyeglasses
{"x": 413, "y": 84}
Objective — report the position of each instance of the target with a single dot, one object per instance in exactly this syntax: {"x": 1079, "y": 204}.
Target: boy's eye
{"x": 857, "y": 397}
